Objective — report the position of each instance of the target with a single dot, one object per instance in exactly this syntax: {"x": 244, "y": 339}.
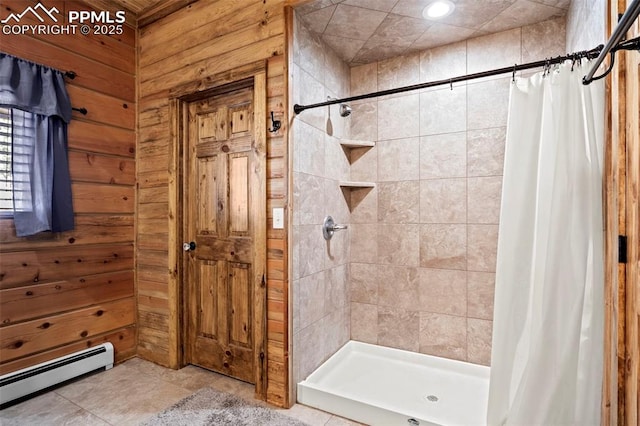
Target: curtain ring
{"x": 450, "y": 84}
{"x": 513, "y": 75}
{"x": 547, "y": 67}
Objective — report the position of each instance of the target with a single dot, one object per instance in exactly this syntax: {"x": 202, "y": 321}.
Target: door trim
{"x": 249, "y": 75}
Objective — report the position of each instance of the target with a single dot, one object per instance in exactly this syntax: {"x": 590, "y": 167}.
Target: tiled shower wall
{"x": 423, "y": 242}
{"x": 586, "y": 25}
{"x": 321, "y": 319}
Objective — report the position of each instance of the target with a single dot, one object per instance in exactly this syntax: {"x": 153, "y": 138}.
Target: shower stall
{"x": 402, "y": 298}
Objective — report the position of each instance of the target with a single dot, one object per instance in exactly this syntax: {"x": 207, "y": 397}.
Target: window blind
{"x": 6, "y": 181}
{"x": 17, "y": 132}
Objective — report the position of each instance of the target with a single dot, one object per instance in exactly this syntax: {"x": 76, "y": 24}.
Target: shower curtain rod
{"x": 624, "y": 23}
{"x": 633, "y": 44}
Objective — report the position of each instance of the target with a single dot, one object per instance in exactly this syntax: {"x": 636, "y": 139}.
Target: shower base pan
{"x": 376, "y": 385}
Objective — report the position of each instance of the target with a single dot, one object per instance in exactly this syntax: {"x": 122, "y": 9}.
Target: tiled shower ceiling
{"x": 363, "y": 31}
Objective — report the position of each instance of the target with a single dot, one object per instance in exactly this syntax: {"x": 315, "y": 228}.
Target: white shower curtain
{"x": 547, "y": 353}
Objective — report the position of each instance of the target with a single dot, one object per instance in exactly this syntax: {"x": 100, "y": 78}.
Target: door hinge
{"x": 622, "y": 249}
{"x": 263, "y": 283}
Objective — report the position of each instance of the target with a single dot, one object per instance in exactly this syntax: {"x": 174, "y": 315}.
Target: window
{"x": 17, "y": 135}
{"x": 34, "y": 165}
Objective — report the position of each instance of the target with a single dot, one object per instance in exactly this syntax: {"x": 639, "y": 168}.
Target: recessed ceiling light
{"x": 438, "y": 9}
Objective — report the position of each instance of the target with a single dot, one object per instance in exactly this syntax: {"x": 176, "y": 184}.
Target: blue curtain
{"x": 41, "y": 110}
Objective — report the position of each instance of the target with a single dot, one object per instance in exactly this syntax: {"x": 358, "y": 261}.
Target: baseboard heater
{"x": 18, "y": 384}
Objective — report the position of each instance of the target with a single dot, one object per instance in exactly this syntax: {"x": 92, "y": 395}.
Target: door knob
{"x": 189, "y": 246}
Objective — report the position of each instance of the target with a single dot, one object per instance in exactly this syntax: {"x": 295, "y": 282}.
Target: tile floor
{"x": 130, "y": 393}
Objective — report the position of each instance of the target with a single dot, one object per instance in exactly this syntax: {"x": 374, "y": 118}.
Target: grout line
{"x": 81, "y": 407}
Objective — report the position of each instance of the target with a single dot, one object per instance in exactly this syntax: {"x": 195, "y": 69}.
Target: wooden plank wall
{"x": 632, "y": 293}
{"x": 621, "y": 399}
{"x": 61, "y": 293}
{"x": 612, "y": 398}
{"x": 196, "y": 42}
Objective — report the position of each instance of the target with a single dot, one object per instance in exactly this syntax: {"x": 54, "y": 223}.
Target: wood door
{"x": 225, "y": 216}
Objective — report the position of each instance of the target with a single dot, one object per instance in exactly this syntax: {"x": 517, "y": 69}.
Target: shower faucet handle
{"x": 329, "y": 227}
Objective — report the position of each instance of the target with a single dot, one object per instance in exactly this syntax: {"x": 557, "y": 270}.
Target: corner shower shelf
{"x": 356, "y": 185}
{"x": 354, "y": 192}
{"x": 349, "y": 145}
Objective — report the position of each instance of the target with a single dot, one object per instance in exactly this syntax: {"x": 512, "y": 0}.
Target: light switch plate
{"x": 278, "y": 218}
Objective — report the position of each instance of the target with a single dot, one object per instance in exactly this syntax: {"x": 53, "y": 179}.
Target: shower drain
{"x": 431, "y": 398}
